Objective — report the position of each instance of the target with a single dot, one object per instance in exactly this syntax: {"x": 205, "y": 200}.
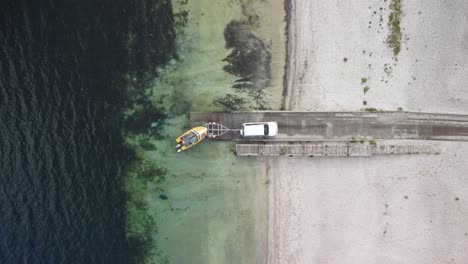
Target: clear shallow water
{"x": 204, "y": 205}
{"x": 209, "y": 215}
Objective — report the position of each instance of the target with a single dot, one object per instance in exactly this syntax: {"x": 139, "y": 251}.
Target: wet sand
{"x": 399, "y": 209}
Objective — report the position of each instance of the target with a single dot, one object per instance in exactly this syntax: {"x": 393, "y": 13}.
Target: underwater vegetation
{"x": 250, "y": 62}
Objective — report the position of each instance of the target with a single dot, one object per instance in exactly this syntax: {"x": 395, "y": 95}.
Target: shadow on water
{"x": 64, "y": 82}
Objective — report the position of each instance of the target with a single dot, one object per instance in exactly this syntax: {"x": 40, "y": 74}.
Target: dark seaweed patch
{"x": 231, "y": 102}
{"x": 150, "y": 172}
{"x": 147, "y": 145}
{"x": 249, "y": 61}
{"x": 139, "y": 122}
{"x": 249, "y": 57}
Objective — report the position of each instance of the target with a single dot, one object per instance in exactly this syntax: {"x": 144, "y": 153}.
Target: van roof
{"x": 254, "y": 129}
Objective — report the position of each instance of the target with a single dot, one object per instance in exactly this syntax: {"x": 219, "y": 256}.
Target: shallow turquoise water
{"x": 204, "y": 205}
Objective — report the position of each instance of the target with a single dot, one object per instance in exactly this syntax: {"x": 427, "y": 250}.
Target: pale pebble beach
{"x": 393, "y": 209}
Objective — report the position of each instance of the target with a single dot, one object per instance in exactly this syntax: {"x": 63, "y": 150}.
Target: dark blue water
{"x": 62, "y": 88}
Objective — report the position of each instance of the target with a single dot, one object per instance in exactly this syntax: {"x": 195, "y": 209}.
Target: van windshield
{"x": 265, "y": 129}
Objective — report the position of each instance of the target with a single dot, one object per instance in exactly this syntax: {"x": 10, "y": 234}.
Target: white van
{"x": 259, "y": 129}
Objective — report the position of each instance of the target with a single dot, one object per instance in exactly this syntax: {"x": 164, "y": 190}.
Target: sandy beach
{"x": 334, "y": 44}
{"x": 398, "y": 209}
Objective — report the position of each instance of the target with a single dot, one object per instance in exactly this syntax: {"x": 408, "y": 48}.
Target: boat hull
{"x": 191, "y": 138}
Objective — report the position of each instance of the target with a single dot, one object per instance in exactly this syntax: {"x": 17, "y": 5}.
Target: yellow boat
{"x": 191, "y": 138}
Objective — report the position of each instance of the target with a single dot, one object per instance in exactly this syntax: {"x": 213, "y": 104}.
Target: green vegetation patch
{"x": 366, "y": 89}
{"x": 373, "y": 142}
{"x": 363, "y": 80}
{"x": 394, "y": 21}
{"x": 372, "y": 110}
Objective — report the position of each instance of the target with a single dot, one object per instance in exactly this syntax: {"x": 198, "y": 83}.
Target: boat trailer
{"x": 216, "y": 130}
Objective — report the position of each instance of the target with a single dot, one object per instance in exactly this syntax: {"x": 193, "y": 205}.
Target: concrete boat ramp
{"x": 318, "y": 133}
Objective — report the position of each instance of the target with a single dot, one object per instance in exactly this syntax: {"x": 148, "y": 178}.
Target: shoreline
{"x": 268, "y": 17}
{"x": 288, "y": 15}
{"x": 272, "y": 226}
